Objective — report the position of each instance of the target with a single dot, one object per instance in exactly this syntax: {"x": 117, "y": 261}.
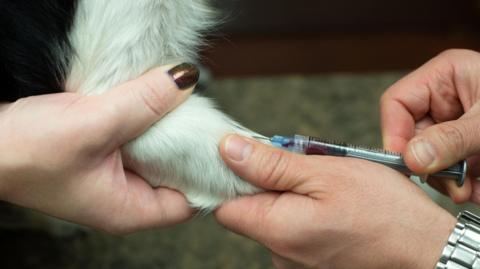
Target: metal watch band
{"x": 462, "y": 250}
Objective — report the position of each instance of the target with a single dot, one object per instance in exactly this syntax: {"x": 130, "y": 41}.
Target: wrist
{"x": 463, "y": 244}
{"x": 417, "y": 239}
{"x": 434, "y": 239}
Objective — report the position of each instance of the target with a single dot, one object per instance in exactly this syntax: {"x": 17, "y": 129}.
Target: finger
{"x": 428, "y": 91}
{"x": 459, "y": 195}
{"x": 443, "y": 145}
{"x": 266, "y": 216}
{"x": 146, "y": 208}
{"x": 267, "y": 167}
{"x": 247, "y": 215}
{"x": 450, "y": 188}
{"x": 133, "y": 107}
{"x": 423, "y": 124}
{"x": 263, "y": 217}
{"x": 438, "y": 185}
{"x": 398, "y": 124}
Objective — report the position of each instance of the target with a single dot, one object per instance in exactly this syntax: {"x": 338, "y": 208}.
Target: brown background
{"x": 316, "y": 36}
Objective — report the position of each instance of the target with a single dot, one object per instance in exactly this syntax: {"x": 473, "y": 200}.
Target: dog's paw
{"x": 181, "y": 152}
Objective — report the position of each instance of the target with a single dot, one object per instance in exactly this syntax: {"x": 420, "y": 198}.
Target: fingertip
{"x": 231, "y": 213}
{"x": 225, "y": 211}
{"x": 178, "y": 81}
{"x": 236, "y": 148}
{"x": 459, "y": 195}
{"x": 183, "y": 76}
{"x": 173, "y": 207}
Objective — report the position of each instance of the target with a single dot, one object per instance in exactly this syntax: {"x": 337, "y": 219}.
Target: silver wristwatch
{"x": 462, "y": 251}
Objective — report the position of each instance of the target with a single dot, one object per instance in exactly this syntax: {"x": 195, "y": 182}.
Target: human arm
{"x": 433, "y": 117}
{"x": 326, "y": 212}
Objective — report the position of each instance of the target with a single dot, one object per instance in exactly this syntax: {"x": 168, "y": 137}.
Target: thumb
{"x": 135, "y": 105}
{"x": 265, "y": 166}
{"x": 272, "y": 169}
{"x": 443, "y": 145}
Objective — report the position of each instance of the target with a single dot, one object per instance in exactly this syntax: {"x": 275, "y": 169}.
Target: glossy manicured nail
{"x": 237, "y": 148}
{"x": 185, "y": 75}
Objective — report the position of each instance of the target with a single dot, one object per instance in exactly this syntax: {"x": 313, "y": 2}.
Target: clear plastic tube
{"x": 315, "y": 146}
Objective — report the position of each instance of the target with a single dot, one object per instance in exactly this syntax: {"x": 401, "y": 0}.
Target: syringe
{"x": 314, "y": 146}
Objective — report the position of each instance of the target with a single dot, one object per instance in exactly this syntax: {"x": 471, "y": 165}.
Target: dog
{"x": 90, "y": 46}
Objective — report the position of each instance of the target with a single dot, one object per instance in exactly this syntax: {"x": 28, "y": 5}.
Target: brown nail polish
{"x": 185, "y": 75}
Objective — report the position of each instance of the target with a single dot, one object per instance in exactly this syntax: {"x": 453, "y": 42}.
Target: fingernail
{"x": 237, "y": 148}
{"x": 423, "y": 152}
{"x": 185, "y": 75}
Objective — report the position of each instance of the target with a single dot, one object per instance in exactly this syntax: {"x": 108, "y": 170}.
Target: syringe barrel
{"x": 315, "y": 146}
{"x": 297, "y": 144}
{"x": 303, "y": 145}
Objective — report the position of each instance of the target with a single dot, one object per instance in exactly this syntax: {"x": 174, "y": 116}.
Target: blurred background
{"x": 306, "y": 66}
{"x": 316, "y": 36}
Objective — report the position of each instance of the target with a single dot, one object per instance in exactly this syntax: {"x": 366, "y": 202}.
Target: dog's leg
{"x": 116, "y": 40}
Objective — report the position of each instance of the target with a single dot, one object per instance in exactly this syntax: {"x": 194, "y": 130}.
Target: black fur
{"x": 31, "y": 30}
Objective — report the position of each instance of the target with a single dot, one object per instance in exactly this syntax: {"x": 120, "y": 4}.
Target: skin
{"x": 325, "y": 212}
{"x": 76, "y": 172}
{"x": 318, "y": 212}
{"x": 438, "y": 105}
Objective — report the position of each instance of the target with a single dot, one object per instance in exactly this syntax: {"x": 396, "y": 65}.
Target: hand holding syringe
{"x": 314, "y": 146}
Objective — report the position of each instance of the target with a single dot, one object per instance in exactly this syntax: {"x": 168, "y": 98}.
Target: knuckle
{"x": 461, "y": 64}
{"x": 456, "y": 58}
{"x": 273, "y": 167}
{"x": 455, "y": 53}
{"x": 285, "y": 244}
{"x": 385, "y": 98}
{"x": 453, "y": 137}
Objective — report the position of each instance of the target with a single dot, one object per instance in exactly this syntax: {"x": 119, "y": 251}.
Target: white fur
{"x": 117, "y": 40}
